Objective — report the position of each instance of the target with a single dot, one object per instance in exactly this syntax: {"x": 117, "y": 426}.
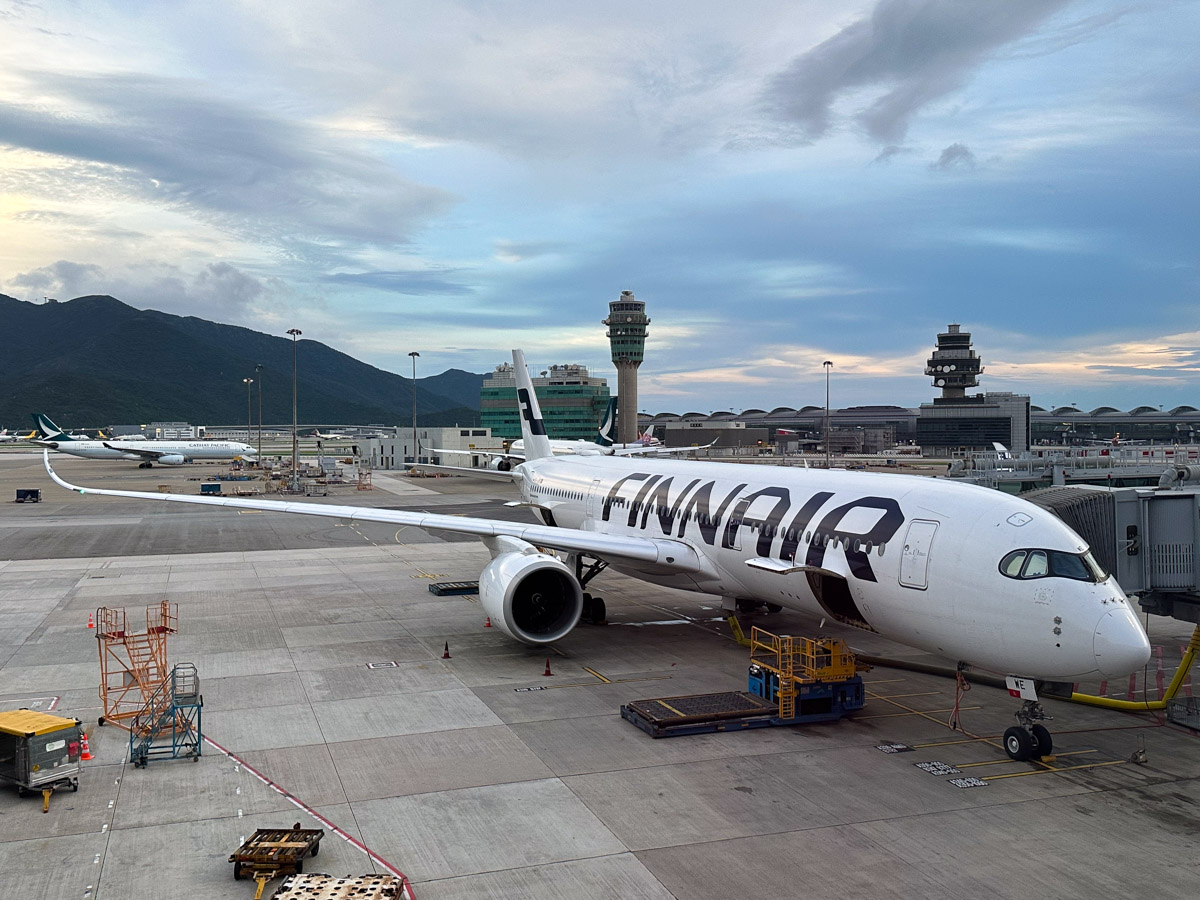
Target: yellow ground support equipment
{"x": 798, "y": 671}
{"x": 39, "y": 752}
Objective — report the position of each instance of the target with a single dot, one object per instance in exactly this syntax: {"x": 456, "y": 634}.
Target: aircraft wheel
{"x": 1041, "y": 737}
{"x": 586, "y": 615}
{"x": 1018, "y": 744}
{"x": 599, "y": 612}
{"x": 774, "y": 608}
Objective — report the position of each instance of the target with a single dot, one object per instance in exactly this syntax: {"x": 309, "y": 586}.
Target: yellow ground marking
{"x": 922, "y": 714}
{"x": 898, "y": 696}
{"x": 249, "y": 512}
{"x": 668, "y": 706}
{"x": 1050, "y": 770}
{"x": 597, "y": 674}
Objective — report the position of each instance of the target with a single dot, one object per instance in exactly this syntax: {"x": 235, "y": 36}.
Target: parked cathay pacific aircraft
{"x": 973, "y": 575}
{"x": 145, "y": 453}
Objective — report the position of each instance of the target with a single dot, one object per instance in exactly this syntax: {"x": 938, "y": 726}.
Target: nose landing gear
{"x": 1029, "y": 739}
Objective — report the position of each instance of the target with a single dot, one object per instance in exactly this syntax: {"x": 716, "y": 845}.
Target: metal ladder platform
{"x": 170, "y": 724}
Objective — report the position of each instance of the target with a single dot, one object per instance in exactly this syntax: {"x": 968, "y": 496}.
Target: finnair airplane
{"x": 145, "y": 453}
{"x": 973, "y": 575}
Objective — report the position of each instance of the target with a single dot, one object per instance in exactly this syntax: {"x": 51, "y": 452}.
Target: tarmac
{"x": 327, "y": 701}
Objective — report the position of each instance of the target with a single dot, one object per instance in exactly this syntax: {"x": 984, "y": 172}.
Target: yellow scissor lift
{"x": 791, "y": 681}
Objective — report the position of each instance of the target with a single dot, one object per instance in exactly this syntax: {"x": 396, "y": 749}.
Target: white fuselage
{"x": 915, "y": 559}
{"x": 186, "y": 449}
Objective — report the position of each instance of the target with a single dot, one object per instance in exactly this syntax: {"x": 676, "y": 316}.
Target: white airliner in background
{"x": 602, "y": 445}
{"x": 973, "y": 575}
{"x": 144, "y": 452}
{"x": 6, "y": 438}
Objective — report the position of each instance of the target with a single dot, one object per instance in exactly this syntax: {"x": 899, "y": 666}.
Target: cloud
{"x": 218, "y": 291}
{"x": 909, "y": 53}
{"x": 405, "y": 282}
{"x": 955, "y": 158}
{"x": 179, "y": 144}
{"x": 520, "y": 251}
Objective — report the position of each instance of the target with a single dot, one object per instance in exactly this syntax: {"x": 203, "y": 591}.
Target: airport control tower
{"x": 954, "y": 365}
{"x": 627, "y": 323}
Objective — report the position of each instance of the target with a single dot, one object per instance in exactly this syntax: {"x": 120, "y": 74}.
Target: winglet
{"x": 533, "y": 429}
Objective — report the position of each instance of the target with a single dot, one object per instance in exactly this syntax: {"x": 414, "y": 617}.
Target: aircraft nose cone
{"x": 1120, "y": 644}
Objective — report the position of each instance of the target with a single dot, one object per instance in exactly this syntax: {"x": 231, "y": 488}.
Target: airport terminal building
{"x": 572, "y": 402}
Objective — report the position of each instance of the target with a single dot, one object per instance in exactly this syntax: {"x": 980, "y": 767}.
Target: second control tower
{"x": 954, "y": 365}
{"x": 627, "y": 323}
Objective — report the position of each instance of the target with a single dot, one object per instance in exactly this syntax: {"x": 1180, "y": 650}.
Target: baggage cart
{"x": 39, "y": 752}
{"x": 275, "y": 851}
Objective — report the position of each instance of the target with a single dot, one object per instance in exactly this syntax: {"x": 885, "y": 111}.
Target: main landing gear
{"x": 145, "y": 465}
{"x": 594, "y": 610}
{"x": 1030, "y": 739}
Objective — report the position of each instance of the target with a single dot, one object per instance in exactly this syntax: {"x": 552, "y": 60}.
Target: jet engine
{"x": 172, "y": 459}
{"x": 501, "y": 464}
{"x": 530, "y": 596}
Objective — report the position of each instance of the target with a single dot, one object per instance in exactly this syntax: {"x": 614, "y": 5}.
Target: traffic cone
{"x": 487, "y": 623}
{"x": 87, "y": 753}
{"x": 547, "y": 672}
{"x": 446, "y": 652}
{"x": 91, "y": 624}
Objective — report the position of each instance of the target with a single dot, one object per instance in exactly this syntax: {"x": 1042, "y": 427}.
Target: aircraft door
{"x": 914, "y": 559}
{"x": 594, "y": 500}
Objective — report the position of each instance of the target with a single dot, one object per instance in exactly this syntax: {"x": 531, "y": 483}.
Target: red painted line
{"x": 296, "y": 801}
{"x": 1158, "y": 676}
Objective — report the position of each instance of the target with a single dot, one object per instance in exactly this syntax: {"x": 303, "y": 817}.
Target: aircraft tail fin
{"x": 49, "y": 431}
{"x": 533, "y": 429}
{"x": 607, "y": 435}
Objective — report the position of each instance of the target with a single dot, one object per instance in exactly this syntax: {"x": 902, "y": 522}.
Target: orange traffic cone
{"x": 446, "y": 652}
{"x": 487, "y": 623}
{"x": 91, "y": 624}
{"x": 87, "y": 753}
{"x": 547, "y": 672}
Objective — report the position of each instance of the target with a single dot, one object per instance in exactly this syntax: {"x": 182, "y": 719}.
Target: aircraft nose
{"x": 1120, "y": 644}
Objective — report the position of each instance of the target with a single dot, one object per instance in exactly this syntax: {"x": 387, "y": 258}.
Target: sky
{"x": 782, "y": 183}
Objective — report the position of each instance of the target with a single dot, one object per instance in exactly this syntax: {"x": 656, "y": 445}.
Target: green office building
{"x": 572, "y": 402}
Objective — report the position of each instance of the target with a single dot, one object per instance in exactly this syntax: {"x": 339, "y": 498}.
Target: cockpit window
{"x": 1037, "y": 565}
{"x": 1011, "y": 564}
{"x": 1052, "y": 564}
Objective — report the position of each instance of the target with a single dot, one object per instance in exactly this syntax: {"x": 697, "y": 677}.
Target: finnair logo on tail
{"x": 536, "y": 426}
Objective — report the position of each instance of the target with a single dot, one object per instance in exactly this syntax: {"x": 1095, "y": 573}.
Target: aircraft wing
{"x": 494, "y": 474}
{"x": 144, "y": 454}
{"x": 501, "y": 453}
{"x": 665, "y": 554}
{"x": 657, "y": 451}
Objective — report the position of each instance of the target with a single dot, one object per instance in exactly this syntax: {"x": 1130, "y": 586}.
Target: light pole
{"x": 828, "y": 364}
{"x": 295, "y": 333}
{"x": 258, "y": 372}
{"x": 414, "y": 354}
{"x": 248, "y": 382}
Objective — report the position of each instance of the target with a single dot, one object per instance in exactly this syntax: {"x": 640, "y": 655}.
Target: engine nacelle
{"x": 172, "y": 459}
{"x": 531, "y": 596}
{"x": 501, "y": 464}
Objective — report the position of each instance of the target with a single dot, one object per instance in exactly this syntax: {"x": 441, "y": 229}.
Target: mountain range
{"x": 96, "y": 361}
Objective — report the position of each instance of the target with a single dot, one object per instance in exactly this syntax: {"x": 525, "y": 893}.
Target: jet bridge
{"x": 1149, "y": 538}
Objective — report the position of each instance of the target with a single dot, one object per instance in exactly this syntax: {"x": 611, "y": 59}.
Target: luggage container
{"x": 39, "y": 752}
{"x": 29, "y": 495}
